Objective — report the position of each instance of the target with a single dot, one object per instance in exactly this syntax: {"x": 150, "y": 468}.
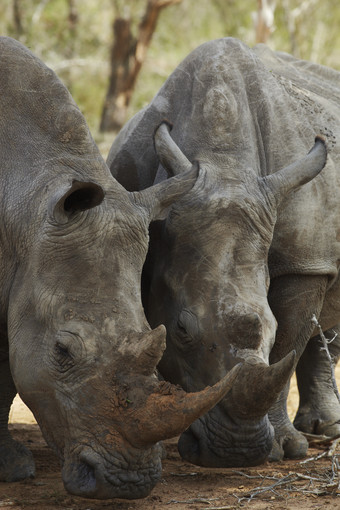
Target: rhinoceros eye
{"x": 63, "y": 356}
{"x": 187, "y": 330}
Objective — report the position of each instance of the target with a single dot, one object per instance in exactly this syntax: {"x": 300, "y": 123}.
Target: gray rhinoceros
{"x": 74, "y": 341}
{"x": 237, "y": 268}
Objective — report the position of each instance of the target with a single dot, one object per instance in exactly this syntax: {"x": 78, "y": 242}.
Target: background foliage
{"x": 74, "y": 37}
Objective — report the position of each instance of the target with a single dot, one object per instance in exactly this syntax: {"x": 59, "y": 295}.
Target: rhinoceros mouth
{"x": 92, "y": 476}
{"x": 210, "y": 443}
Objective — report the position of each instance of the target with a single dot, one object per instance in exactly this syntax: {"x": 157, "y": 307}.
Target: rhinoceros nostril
{"x": 88, "y": 475}
{"x": 80, "y": 478}
{"x": 87, "y": 471}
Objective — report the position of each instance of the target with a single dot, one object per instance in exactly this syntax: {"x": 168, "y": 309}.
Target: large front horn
{"x": 169, "y": 410}
{"x": 258, "y": 387}
{"x": 300, "y": 172}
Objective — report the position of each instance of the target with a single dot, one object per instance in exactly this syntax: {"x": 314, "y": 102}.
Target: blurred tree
{"x": 127, "y": 57}
{"x": 17, "y": 17}
{"x": 294, "y": 15}
{"x": 72, "y": 19}
{"x": 264, "y": 20}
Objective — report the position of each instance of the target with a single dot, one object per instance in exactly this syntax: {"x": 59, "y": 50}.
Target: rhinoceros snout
{"x": 90, "y": 476}
{"x": 229, "y": 445}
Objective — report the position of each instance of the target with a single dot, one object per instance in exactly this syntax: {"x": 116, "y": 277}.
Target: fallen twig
{"x": 317, "y": 484}
{"x": 333, "y": 447}
{"x": 184, "y": 474}
{"x": 246, "y": 475}
{"x": 228, "y": 507}
{"x": 319, "y": 440}
{"x": 191, "y": 501}
{"x": 270, "y": 488}
{"x": 316, "y": 457}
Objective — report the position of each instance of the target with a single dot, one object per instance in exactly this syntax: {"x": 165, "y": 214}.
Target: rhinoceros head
{"x": 208, "y": 261}
{"x": 73, "y": 245}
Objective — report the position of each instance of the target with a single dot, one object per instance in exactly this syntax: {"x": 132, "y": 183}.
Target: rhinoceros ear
{"x": 159, "y": 197}
{"x": 300, "y": 172}
{"x": 80, "y": 196}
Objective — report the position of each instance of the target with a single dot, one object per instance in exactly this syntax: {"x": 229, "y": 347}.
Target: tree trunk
{"x": 127, "y": 57}
{"x": 17, "y": 18}
{"x": 264, "y": 20}
{"x": 72, "y": 19}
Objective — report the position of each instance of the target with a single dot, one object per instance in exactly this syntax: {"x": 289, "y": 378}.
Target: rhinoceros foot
{"x": 320, "y": 422}
{"x": 291, "y": 445}
{"x": 16, "y": 462}
{"x": 289, "y": 442}
{"x": 319, "y": 408}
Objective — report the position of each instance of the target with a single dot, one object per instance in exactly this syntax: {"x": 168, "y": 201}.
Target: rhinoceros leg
{"x": 293, "y": 299}
{"x": 319, "y": 409}
{"x": 16, "y": 461}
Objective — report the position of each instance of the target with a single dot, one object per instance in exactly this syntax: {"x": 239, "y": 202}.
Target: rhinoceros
{"x": 238, "y": 267}
{"x": 75, "y": 342}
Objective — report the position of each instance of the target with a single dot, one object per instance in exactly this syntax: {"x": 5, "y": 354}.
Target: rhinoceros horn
{"x": 144, "y": 352}
{"x": 169, "y": 410}
{"x": 170, "y": 155}
{"x": 299, "y": 172}
{"x": 259, "y": 385}
{"x": 160, "y": 196}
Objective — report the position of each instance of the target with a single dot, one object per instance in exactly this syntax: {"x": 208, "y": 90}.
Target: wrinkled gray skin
{"x": 74, "y": 339}
{"x": 239, "y": 265}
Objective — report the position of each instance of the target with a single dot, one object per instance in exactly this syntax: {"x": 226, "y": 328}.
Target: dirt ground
{"x": 285, "y": 485}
